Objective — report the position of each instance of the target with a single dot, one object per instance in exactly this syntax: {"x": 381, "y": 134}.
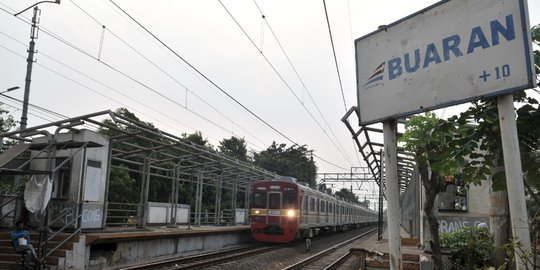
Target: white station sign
{"x": 452, "y": 52}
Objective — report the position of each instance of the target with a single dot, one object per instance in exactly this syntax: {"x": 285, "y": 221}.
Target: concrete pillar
{"x": 514, "y": 179}
{"x": 392, "y": 193}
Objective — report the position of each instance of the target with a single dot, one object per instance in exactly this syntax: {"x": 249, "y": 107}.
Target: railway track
{"x": 330, "y": 258}
{"x": 207, "y": 259}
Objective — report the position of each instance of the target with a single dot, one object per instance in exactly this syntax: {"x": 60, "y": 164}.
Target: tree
{"x": 347, "y": 195}
{"x": 470, "y": 145}
{"x": 197, "y": 139}
{"x": 7, "y": 123}
{"x": 122, "y": 188}
{"x": 295, "y": 161}
{"x": 123, "y": 174}
{"x": 234, "y": 147}
{"x": 431, "y": 140}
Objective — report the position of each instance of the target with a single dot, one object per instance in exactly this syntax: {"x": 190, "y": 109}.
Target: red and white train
{"x": 283, "y": 210}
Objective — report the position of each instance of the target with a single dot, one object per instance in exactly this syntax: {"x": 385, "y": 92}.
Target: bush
{"x": 469, "y": 246}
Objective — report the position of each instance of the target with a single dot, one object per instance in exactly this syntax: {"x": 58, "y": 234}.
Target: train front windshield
{"x": 258, "y": 200}
{"x": 273, "y": 200}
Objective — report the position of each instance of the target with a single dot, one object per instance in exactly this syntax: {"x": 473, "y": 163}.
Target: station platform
{"x": 122, "y": 234}
{"x": 374, "y": 253}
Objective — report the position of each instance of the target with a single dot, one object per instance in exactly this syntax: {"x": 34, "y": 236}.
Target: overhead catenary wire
{"x": 283, "y": 80}
{"x": 44, "y": 30}
{"x": 84, "y": 86}
{"x": 59, "y": 38}
{"x": 168, "y": 75}
{"x": 204, "y": 76}
{"x": 335, "y": 57}
{"x": 264, "y": 18}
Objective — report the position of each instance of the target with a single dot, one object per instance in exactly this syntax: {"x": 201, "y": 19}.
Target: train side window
{"x": 323, "y": 209}
{"x": 311, "y": 204}
{"x": 305, "y": 202}
{"x": 318, "y": 206}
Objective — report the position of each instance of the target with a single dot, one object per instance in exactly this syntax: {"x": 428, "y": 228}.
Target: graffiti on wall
{"x": 452, "y": 223}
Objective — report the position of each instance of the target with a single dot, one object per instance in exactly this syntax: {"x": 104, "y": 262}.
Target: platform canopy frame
{"x": 152, "y": 153}
{"x": 369, "y": 140}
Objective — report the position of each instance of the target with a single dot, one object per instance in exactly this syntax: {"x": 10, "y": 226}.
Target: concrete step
{"x": 34, "y": 236}
{"x": 68, "y": 245}
{"x": 11, "y": 260}
{"x": 58, "y": 252}
{"x": 378, "y": 265}
{"x": 16, "y": 258}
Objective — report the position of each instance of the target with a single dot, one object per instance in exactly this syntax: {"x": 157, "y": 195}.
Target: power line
{"x": 149, "y": 88}
{"x": 82, "y": 85}
{"x": 282, "y": 79}
{"x": 168, "y": 74}
{"x": 204, "y": 76}
{"x": 123, "y": 74}
{"x": 335, "y": 58}
{"x": 302, "y": 82}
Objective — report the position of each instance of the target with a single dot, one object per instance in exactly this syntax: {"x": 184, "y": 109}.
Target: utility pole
{"x": 30, "y": 60}
{"x": 29, "y": 64}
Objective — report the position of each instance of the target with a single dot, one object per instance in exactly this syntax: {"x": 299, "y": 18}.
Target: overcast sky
{"x": 70, "y": 81}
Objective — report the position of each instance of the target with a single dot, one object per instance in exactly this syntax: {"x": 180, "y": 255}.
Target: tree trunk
{"x": 431, "y": 191}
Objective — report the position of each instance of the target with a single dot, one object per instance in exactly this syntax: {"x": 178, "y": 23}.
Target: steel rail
{"x": 207, "y": 259}
{"x": 325, "y": 252}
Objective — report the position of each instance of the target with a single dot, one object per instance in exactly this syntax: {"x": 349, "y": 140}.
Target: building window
{"x": 454, "y": 196}
{"x": 63, "y": 178}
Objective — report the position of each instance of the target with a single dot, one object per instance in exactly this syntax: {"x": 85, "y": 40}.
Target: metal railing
{"x": 121, "y": 214}
{"x": 75, "y": 214}
{"x": 11, "y": 213}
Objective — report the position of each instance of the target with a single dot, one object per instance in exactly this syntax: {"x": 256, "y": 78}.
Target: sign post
{"x": 449, "y": 53}
{"x": 514, "y": 179}
{"x": 392, "y": 193}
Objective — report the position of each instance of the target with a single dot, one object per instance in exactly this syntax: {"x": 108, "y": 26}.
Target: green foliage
{"x": 7, "y": 123}
{"x": 347, "y": 195}
{"x": 295, "y": 161}
{"x": 535, "y": 32}
{"x": 234, "y": 147}
{"x": 197, "y": 139}
{"x": 7, "y": 183}
{"x": 122, "y": 188}
{"x": 469, "y": 246}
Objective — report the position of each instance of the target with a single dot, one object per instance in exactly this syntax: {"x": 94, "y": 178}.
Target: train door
{"x": 305, "y": 209}
{"x": 326, "y": 211}
{"x": 274, "y": 208}
{"x": 318, "y": 211}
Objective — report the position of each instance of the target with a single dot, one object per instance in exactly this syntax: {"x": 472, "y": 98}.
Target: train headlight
{"x": 290, "y": 213}
{"x": 257, "y": 212}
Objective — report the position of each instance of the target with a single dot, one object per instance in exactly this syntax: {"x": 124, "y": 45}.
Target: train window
{"x": 305, "y": 202}
{"x": 258, "y": 200}
{"x": 274, "y": 201}
{"x": 318, "y": 206}
{"x": 289, "y": 200}
{"x": 311, "y": 204}
{"x": 323, "y": 208}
